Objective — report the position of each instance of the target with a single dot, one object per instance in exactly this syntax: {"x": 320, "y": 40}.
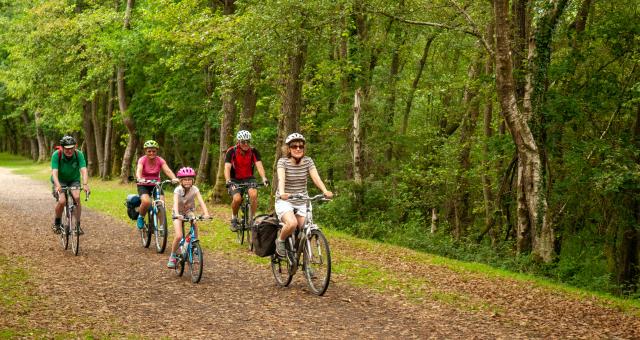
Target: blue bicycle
{"x": 156, "y": 223}
{"x": 189, "y": 251}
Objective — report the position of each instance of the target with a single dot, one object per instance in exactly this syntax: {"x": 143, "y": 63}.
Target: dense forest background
{"x": 493, "y": 131}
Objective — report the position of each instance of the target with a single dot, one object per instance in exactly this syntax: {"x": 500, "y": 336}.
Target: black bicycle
{"x": 156, "y": 223}
{"x": 69, "y": 229}
{"x": 189, "y": 251}
{"x": 309, "y": 242}
{"x": 245, "y": 221}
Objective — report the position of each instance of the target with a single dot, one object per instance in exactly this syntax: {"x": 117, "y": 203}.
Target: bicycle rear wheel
{"x": 75, "y": 239}
{"x": 160, "y": 229}
{"x": 281, "y": 267}
{"x": 317, "y": 262}
{"x": 64, "y": 234}
{"x": 145, "y": 232}
{"x": 195, "y": 262}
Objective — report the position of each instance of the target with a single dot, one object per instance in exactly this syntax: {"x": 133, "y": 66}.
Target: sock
{"x": 58, "y": 220}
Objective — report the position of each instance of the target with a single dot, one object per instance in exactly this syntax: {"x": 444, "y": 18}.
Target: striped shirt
{"x": 295, "y": 176}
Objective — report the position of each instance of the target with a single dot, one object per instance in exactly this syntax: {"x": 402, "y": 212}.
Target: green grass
{"x": 108, "y": 197}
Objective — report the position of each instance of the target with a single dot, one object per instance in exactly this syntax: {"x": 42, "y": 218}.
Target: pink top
{"x": 151, "y": 169}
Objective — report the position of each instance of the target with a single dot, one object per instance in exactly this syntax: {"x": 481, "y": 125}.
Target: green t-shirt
{"x": 68, "y": 168}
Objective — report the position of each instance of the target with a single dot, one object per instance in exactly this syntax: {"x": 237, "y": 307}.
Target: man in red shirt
{"x": 238, "y": 169}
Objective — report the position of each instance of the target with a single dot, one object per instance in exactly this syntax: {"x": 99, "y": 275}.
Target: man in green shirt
{"x": 68, "y": 168}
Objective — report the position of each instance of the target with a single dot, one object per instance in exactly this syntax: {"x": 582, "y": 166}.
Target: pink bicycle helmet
{"x": 186, "y": 172}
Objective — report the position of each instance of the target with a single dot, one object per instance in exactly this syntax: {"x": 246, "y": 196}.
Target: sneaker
{"x": 80, "y": 231}
{"x": 280, "y": 249}
{"x": 57, "y": 228}
{"x": 172, "y": 262}
{"x": 140, "y": 223}
{"x": 234, "y": 224}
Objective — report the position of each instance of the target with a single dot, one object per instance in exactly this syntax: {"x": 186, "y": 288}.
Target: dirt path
{"x": 116, "y": 288}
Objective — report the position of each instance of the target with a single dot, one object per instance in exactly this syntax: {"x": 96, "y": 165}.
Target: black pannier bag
{"x": 133, "y": 201}
{"x": 264, "y": 233}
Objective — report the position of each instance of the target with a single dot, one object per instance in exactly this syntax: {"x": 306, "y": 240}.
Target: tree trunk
{"x": 357, "y": 135}
{"x": 206, "y": 135}
{"x": 96, "y": 120}
{"x": 487, "y": 193}
{"x": 33, "y": 142}
{"x": 226, "y": 140}
{"x": 250, "y": 98}
{"x": 291, "y": 95}
{"x": 108, "y": 140}
{"x": 464, "y": 218}
{"x": 414, "y": 85}
{"x": 89, "y": 140}
{"x": 531, "y": 205}
{"x": 43, "y": 150}
{"x": 127, "y": 119}
{"x": 390, "y": 106}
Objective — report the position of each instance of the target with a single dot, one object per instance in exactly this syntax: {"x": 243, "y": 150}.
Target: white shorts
{"x": 283, "y": 206}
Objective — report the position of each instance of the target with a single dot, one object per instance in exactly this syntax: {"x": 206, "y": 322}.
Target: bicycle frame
{"x": 301, "y": 234}
{"x": 189, "y": 239}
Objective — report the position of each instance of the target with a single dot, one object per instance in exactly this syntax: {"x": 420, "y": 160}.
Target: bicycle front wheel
{"x": 75, "y": 239}
{"x": 145, "y": 232}
{"x": 248, "y": 227}
{"x": 195, "y": 262}
{"x": 160, "y": 229}
{"x": 317, "y": 262}
{"x": 64, "y": 234}
{"x": 179, "y": 268}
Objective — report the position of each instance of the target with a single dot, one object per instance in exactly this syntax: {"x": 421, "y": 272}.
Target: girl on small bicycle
{"x": 184, "y": 203}
{"x": 148, "y": 169}
{"x": 293, "y": 171}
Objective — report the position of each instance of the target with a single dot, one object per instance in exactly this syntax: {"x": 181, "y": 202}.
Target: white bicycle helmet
{"x": 294, "y": 136}
{"x": 243, "y": 135}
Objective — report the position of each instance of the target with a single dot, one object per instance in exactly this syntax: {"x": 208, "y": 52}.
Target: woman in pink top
{"x": 149, "y": 167}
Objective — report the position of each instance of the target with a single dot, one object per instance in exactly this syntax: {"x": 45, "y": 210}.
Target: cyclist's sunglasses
{"x": 245, "y": 142}
{"x": 297, "y": 146}
{"x": 151, "y": 151}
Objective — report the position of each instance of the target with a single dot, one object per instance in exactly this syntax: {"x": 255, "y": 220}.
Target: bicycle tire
{"x": 64, "y": 233}
{"x": 145, "y": 232}
{"x": 160, "y": 230}
{"x": 248, "y": 226}
{"x": 317, "y": 262}
{"x": 281, "y": 269}
{"x": 75, "y": 239}
{"x": 195, "y": 262}
{"x": 179, "y": 268}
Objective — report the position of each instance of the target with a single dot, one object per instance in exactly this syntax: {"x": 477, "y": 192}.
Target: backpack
{"x": 264, "y": 233}
{"x": 132, "y": 202}
{"x": 234, "y": 149}
{"x": 75, "y": 156}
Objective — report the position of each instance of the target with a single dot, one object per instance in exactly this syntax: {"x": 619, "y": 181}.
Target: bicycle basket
{"x": 133, "y": 201}
{"x": 264, "y": 233}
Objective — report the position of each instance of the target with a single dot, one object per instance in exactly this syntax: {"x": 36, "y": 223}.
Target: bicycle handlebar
{"x": 190, "y": 218}
{"x": 154, "y": 182}
{"x": 248, "y": 185}
{"x": 319, "y": 197}
{"x": 86, "y": 193}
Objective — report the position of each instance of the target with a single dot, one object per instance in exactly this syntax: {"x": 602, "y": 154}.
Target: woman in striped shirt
{"x": 292, "y": 179}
